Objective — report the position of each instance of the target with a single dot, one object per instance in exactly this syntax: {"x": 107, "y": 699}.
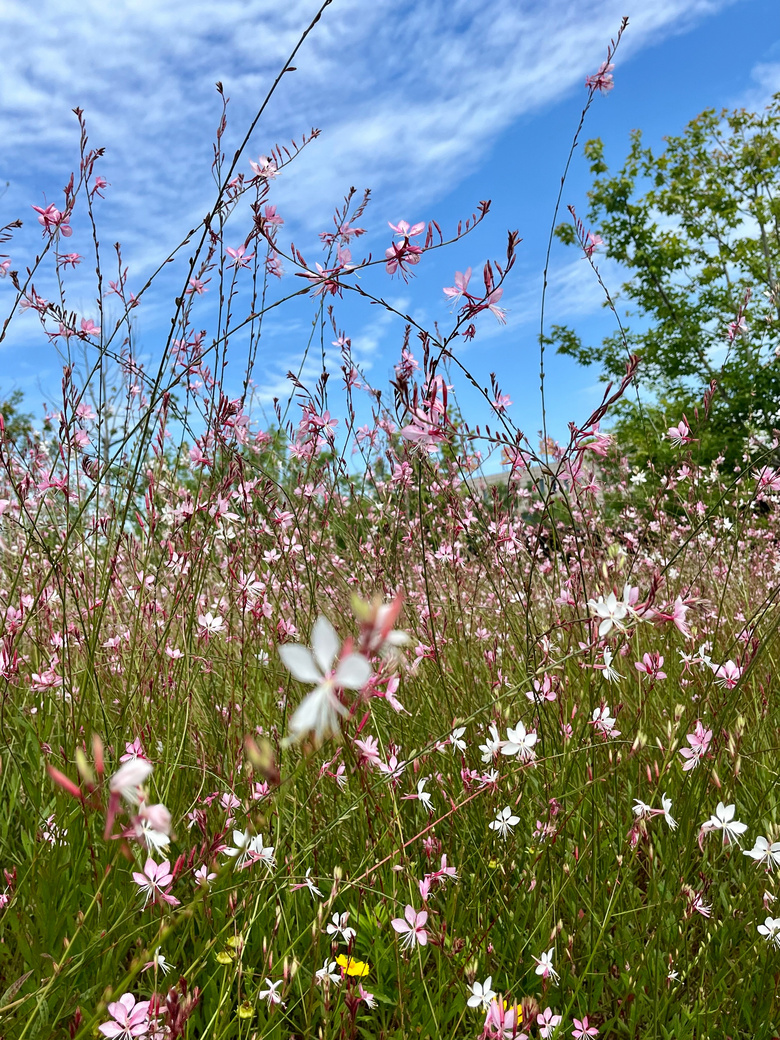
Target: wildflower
{"x": 319, "y": 711}
{"x": 504, "y": 822}
{"x": 503, "y": 1021}
{"x": 338, "y": 926}
{"x": 611, "y": 610}
{"x": 307, "y": 883}
{"x": 327, "y": 973}
{"x": 155, "y": 876}
{"x": 159, "y": 963}
{"x": 127, "y": 780}
{"x": 544, "y": 966}
{"x": 770, "y": 929}
{"x": 727, "y": 675}
{"x": 604, "y": 722}
{"x": 492, "y": 745}
{"x": 547, "y": 1022}
{"x": 455, "y": 739}
{"x": 698, "y": 904}
{"x": 242, "y": 850}
{"x": 203, "y": 877}
{"x": 352, "y": 967}
{"x": 239, "y": 256}
{"x": 610, "y": 673}
{"x": 368, "y": 998}
{"x": 211, "y": 625}
{"x": 667, "y": 805}
{"x": 679, "y": 434}
{"x": 763, "y": 852}
{"x": 460, "y": 289}
{"x": 723, "y": 820}
{"x": 270, "y": 994}
{"x": 130, "y": 1019}
{"x": 519, "y": 742}
{"x": 582, "y": 1029}
{"x": 481, "y": 993}
{"x": 700, "y": 742}
{"x": 603, "y": 81}
{"x": 413, "y": 928}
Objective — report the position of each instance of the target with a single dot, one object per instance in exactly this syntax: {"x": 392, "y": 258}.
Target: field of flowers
{"x": 312, "y": 732}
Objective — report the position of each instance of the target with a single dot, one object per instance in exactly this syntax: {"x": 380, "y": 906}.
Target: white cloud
{"x": 410, "y": 97}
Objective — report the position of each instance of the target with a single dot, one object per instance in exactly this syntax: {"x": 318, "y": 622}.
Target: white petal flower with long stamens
{"x": 763, "y": 852}
{"x": 723, "y": 820}
{"x": 320, "y": 710}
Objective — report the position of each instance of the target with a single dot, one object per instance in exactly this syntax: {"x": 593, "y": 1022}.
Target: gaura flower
{"x": 319, "y": 711}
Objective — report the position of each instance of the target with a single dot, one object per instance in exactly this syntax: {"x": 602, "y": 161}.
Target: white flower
{"x": 763, "y": 852}
{"x": 519, "y": 742}
{"x": 604, "y": 722}
{"x": 611, "y": 610}
{"x": 212, "y": 625}
{"x": 492, "y": 745}
{"x": 327, "y": 973}
{"x": 242, "y": 850}
{"x": 544, "y": 965}
{"x": 455, "y": 739}
{"x": 257, "y": 852}
{"x": 481, "y": 993}
{"x": 270, "y": 994}
{"x": 160, "y": 962}
{"x": 128, "y": 778}
{"x": 642, "y": 808}
{"x": 610, "y": 674}
{"x": 504, "y": 822}
{"x": 667, "y": 805}
{"x": 319, "y": 711}
{"x": 770, "y": 929}
{"x": 723, "y": 820}
{"x": 338, "y": 926}
{"x": 423, "y": 795}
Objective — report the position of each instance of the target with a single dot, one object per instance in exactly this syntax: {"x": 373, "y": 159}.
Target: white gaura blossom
{"x": 320, "y": 710}
{"x": 612, "y": 611}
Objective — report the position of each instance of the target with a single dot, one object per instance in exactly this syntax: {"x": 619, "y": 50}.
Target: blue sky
{"x": 432, "y": 105}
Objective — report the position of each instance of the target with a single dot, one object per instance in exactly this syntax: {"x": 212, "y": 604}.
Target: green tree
{"x": 697, "y": 227}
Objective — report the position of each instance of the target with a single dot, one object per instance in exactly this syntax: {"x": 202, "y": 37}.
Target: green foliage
{"x": 697, "y": 227}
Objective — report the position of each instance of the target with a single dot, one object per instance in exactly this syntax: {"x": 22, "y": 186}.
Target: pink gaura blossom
{"x": 460, "y": 289}
{"x": 412, "y": 928}
{"x": 129, "y": 1018}
{"x": 582, "y": 1029}
{"x": 679, "y": 434}
{"x": 407, "y": 231}
{"x": 603, "y": 81}
{"x": 52, "y": 220}
{"x": 156, "y": 881}
{"x": 651, "y": 665}
{"x": 699, "y": 742}
{"x": 727, "y": 675}
{"x": 239, "y": 256}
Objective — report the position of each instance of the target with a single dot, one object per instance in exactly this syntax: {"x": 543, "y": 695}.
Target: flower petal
{"x": 299, "y": 662}
{"x": 353, "y": 672}
{"x": 325, "y": 643}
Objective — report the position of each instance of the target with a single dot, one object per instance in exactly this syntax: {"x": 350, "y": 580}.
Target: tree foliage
{"x": 697, "y": 228}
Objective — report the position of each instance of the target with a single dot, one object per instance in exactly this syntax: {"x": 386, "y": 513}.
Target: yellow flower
{"x": 245, "y": 1010}
{"x": 352, "y": 967}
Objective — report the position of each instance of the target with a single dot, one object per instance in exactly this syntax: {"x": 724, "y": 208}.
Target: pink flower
{"x": 547, "y": 1022}
{"x": 700, "y": 742}
{"x": 491, "y": 302}
{"x": 582, "y": 1029}
{"x": 460, "y": 289}
{"x": 413, "y": 928}
{"x": 402, "y": 228}
{"x": 153, "y": 880}
{"x": 727, "y": 675}
{"x": 239, "y": 256}
{"x": 130, "y": 1019}
{"x": 52, "y": 220}
{"x": 651, "y": 665}
{"x": 594, "y": 241}
{"x": 601, "y": 80}
{"x": 679, "y": 434}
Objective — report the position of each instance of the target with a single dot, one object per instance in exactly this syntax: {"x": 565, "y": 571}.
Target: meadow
{"x": 311, "y": 731}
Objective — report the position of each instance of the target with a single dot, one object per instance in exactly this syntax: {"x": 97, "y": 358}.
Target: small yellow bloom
{"x": 225, "y": 957}
{"x": 245, "y": 1010}
{"x": 352, "y": 967}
